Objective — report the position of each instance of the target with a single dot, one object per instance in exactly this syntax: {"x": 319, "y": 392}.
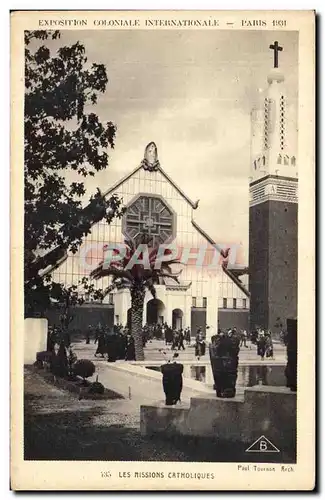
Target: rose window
{"x": 150, "y": 215}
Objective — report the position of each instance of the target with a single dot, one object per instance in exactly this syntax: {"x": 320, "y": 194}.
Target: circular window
{"x": 149, "y": 215}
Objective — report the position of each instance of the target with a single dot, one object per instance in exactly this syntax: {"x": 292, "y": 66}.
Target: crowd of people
{"x": 263, "y": 342}
{"x": 117, "y": 342}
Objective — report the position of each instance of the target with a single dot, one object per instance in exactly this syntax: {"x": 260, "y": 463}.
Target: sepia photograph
{"x": 160, "y": 244}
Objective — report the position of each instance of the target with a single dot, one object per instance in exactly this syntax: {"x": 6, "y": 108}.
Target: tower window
{"x": 293, "y": 160}
{"x": 111, "y": 299}
{"x": 204, "y": 302}
{"x": 286, "y": 160}
{"x": 225, "y": 303}
{"x": 279, "y": 160}
{"x": 244, "y": 304}
{"x": 234, "y": 303}
{"x": 193, "y": 301}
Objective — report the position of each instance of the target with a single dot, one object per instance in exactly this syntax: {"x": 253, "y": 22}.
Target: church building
{"x": 207, "y": 295}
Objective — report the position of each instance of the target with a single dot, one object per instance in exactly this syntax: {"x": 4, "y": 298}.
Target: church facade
{"x": 207, "y": 293}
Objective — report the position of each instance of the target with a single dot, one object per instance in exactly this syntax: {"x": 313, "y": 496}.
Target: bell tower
{"x": 273, "y": 191}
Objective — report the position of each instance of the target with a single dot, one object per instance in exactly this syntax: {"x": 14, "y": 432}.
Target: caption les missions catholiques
{"x": 162, "y": 475}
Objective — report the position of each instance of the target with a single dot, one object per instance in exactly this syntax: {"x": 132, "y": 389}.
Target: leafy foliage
{"x": 63, "y": 139}
{"x": 72, "y": 358}
{"x": 125, "y": 273}
{"x": 96, "y": 387}
{"x": 84, "y": 368}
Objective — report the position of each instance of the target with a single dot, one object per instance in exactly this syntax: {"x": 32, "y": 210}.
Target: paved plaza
{"x": 154, "y": 355}
{"x": 111, "y": 429}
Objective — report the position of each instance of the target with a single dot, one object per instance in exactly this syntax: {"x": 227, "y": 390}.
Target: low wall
{"x": 265, "y": 410}
{"x": 35, "y": 338}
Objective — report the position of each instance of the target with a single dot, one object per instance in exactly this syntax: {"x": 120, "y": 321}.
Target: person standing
{"x": 101, "y": 344}
{"x": 88, "y": 334}
{"x": 163, "y": 331}
{"x": 269, "y": 346}
{"x": 181, "y": 340}
{"x": 112, "y": 346}
{"x": 243, "y": 340}
{"x": 175, "y": 340}
{"x": 261, "y": 344}
{"x": 168, "y": 335}
{"x": 188, "y": 336}
{"x": 199, "y": 345}
{"x": 130, "y": 349}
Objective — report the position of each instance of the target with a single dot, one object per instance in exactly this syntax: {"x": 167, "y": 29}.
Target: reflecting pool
{"x": 248, "y": 375}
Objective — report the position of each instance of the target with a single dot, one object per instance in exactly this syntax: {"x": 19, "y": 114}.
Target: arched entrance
{"x": 155, "y": 311}
{"x": 177, "y": 319}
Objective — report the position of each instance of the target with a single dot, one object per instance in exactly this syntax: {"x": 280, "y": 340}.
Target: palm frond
{"x": 172, "y": 276}
{"x": 100, "y": 272}
{"x": 151, "y": 287}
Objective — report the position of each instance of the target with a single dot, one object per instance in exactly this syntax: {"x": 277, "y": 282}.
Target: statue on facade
{"x": 150, "y": 161}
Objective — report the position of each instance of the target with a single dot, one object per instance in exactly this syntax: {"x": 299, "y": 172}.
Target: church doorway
{"x": 177, "y": 319}
{"x": 155, "y": 312}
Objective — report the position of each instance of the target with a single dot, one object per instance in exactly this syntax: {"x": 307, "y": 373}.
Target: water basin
{"x": 248, "y": 375}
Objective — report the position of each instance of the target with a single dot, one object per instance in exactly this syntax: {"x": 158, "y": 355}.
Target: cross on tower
{"x": 276, "y": 47}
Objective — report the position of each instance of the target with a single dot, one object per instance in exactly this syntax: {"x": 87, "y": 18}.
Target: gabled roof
{"x": 194, "y": 205}
{"x": 163, "y": 173}
{"x": 228, "y": 272}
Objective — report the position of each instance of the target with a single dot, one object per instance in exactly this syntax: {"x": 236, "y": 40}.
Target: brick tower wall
{"x": 273, "y": 264}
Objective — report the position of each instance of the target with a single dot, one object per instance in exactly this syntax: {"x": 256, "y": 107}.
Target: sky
{"x": 191, "y": 92}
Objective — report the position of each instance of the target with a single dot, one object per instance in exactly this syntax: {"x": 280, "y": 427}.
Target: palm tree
{"x": 138, "y": 278}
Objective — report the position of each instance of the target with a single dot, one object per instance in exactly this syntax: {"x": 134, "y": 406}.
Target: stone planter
{"x": 223, "y": 352}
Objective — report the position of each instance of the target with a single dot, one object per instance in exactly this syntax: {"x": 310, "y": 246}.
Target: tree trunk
{"x": 137, "y": 301}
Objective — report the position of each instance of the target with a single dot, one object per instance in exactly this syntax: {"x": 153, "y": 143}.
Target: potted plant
{"x": 84, "y": 368}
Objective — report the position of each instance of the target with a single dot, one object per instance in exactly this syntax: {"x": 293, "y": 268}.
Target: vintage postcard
{"x": 162, "y": 242}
